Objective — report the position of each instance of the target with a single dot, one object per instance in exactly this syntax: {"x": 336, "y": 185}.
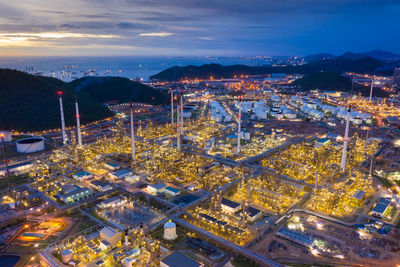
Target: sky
{"x": 197, "y": 27}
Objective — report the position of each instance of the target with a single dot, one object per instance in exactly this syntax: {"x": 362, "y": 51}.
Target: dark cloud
{"x": 234, "y": 26}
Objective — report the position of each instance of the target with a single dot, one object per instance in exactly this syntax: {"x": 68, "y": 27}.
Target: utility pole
{"x": 6, "y": 162}
{"x": 64, "y": 134}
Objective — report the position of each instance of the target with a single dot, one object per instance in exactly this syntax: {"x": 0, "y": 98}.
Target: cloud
{"x": 156, "y": 34}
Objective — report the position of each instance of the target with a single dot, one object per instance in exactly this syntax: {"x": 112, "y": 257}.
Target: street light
{"x": 5, "y": 161}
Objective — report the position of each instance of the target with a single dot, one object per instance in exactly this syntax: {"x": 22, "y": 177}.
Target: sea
{"x": 70, "y": 68}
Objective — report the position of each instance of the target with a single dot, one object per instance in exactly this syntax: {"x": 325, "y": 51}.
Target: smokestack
{"x": 64, "y": 134}
{"x": 132, "y": 135}
{"x": 346, "y": 139}
{"x": 372, "y": 88}
{"x": 172, "y": 107}
{"x": 178, "y": 136}
{"x": 78, "y": 123}
{"x": 181, "y": 113}
{"x": 239, "y": 126}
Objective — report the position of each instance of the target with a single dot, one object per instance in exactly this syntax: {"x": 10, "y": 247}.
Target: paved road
{"x": 240, "y": 250}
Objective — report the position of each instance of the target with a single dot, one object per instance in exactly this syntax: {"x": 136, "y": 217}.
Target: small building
{"x": 132, "y": 178}
{"x": 17, "y": 169}
{"x": 177, "y": 259}
{"x": 155, "y": 188}
{"x": 100, "y": 185}
{"x": 110, "y": 235}
{"x": 359, "y": 197}
{"x": 120, "y": 174}
{"x": 381, "y": 207}
{"x": 113, "y": 202}
{"x": 253, "y": 214}
{"x": 131, "y": 257}
{"x": 111, "y": 166}
{"x": 296, "y": 237}
{"x": 229, "y": 206}
{"x": 171, "y": 191}
{"x": 333, "y": 136}
{"x": 83, "y": 175}
{"x": 72, "y": 193}
{"x": 322, "y": 142}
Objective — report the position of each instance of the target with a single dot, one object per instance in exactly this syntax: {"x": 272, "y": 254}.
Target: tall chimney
{"x": 239, "y": 126}
{"x": 78, "y": 123}
{"x": 178, "y": 136}
{"x": 372, "y": 88}
{"x": 346, "y": 139}
{"x": 181, "y": 113}
{"x": 132, "y": 136}
{"x": 172, "y": 107}
{"x": 64, "y": 134}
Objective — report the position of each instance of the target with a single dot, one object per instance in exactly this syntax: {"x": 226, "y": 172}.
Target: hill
{"x": 121, "y": 89}
{"x": 30, "y": 103}
{"x": 338, "y": 65}
{"x": 330, "y": 81}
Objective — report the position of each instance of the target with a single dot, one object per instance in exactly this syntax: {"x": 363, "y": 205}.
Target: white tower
{"x": 346, "y": 139}
{"x": 372, "y": 88}
{"x": 172, "y": 107}
{"x": 78, "y": 123}
{"x": 132, "y": 136}
{"x": 178, "y": 132}
{"x": 239, "y": 127}
{"x": 181, "y": 114}
{"x": 64, "y": 134}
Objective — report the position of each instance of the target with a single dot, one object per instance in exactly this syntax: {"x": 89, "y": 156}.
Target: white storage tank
{"x": 6, "y": 135}
{"x": 66, "y": 255}
{"x": 30, "y": 145}
{"x": 170, "y": 231}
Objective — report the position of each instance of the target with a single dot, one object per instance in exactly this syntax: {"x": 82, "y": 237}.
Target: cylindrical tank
{"x": 30, "y": 145}
{"x": 6, "y": 135}
{"x": 170, "y": 231}
{"x": 66, "y": 255}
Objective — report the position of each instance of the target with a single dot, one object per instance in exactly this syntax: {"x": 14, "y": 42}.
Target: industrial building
{"x": 111, "y": 166}
{"x": 229, "y": 206}
{"x": 72, "y": 193}
{"x": 17, "y": 169}
{"x": 110, "y": 235}
{"x": 83, "y": 175}
{"x": 113, "y": 202}
{"x": 100, "y": 185}
{"x": 171, "y": 191}
{"x": 381, "y": 207}
{"x": 155, "y": 188}
{"x": 120, "y": 174}
{"x": 296, "y": 237}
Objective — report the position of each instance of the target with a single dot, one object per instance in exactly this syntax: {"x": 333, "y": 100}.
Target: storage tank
{"x": 66, "y": 255}
{"x": 170, "y": 231}
{"x": 6, "y": 135}
{"x": 30, "y": 145}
